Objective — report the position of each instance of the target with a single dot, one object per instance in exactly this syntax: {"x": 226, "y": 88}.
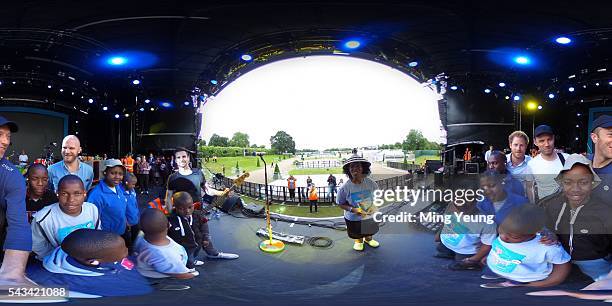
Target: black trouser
{"x": 316, "y": 206}
{"x": 130, "y": 235}
{"x": 143, "y": 181}
{"x": 292, "y": 193}
{"x": 444, "y": 250}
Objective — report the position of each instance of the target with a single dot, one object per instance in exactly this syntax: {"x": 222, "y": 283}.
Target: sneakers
{"x": 222, "y": 255}
{"x": 490, "y": 276}
{"x": 372, "y": 243}
{"x": 198, "y": 263}
{"x": 194, "y": 272}
{"x": 358, "y": 246}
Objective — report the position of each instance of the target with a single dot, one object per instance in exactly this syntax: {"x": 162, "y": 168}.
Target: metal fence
{"x": 282, "y": 193}
{"x": 318, "y": 164}
{"x": 402, "y": 166}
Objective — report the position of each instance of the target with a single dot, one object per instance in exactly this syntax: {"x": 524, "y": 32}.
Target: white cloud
{"x": 323, "y": 102}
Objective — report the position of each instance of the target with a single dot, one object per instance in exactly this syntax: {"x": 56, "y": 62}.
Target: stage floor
{"x": 402, "y": 271}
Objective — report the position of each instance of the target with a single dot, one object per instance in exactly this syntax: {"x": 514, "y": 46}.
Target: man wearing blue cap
{"x": 543, "y": 169}
{"x": 601, "y": 135}
{"x": 15, "y": 233}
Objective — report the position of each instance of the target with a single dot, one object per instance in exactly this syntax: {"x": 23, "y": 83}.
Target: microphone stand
{"x": 269, "y": 245}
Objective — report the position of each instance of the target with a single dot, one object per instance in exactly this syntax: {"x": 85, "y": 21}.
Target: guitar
{"x": 220, "y": 199}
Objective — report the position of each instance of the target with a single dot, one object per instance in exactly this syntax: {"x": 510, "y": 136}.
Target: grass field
{"x": 421, "y": 159}
{"x": 247, "y": 163}
{"x": 310, "y": 171}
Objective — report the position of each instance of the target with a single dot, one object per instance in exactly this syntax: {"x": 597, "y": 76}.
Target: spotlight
{"x": 531, "y": 105}
{"x": 246, "y": 57}
{"x": 502, "y": 84}
{"x": 583, "y": 86}
{"x": 487, "y": 90}
{"x": 104, "y": 108}
{"x": 116, "y": 116}
{"x": 214, "y": 82}
{"x": 147, "y": 101}
{"x": 61, "y": 90}
{"x": 14, "y": 82}
{"x": 563, "y": 40}
{"x": 517, "y": 97}
{"x": 49, "y": 86}
{"x": 507, "y": 97}
{"x": 539, "y": 106}
{"x": 577, "y": 125}
{"x": 571, "y": 89}
{"x": 166, "y": 104}
{"x": 186, "y": 103}
{"x": 142, "y": 109}
{"x": 578, "y": 114}
{"x": 77, "y": 122}
{"x": 453, "y": 87}
{"x": 136, "y": 81}
{"x": 0, "y": 82}
{"x": 352, "y": 44}
{"x": 413, "y": 64}
{"x": 127, "y": 115}
{"x": 117, "y": 60}
{"x": 152, "y": 109}
{"x": 576, "y": 138}
{"x": 90, "y": 100}
{"x": 551, "y": 96}
{"x": 610, "y": 83}
{"x": 522, "y": 60}
{"x": 72, "y": 93}
{"x": 597, "y": 84}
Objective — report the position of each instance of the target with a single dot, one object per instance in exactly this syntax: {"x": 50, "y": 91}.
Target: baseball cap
{"x": 603, "y": 121}
{"x": 12, "y": 125}
{"x": 543, "y": 129}
{"x": 109, "y": 163}
{"x": 573, "y": 159}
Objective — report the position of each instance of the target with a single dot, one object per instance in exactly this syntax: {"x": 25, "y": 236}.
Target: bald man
{"x": 71, "y": 148}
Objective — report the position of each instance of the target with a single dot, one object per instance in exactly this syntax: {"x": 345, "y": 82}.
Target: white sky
{"x": 324, "y": 102}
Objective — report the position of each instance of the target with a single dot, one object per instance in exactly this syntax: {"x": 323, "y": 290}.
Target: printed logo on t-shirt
{"x": 128, "y": 264}
{"x": 504, "y": 260}
{"x": 456, "y": 232}
{"x": 65, "y": 231}
{"x": 363, "y": 199}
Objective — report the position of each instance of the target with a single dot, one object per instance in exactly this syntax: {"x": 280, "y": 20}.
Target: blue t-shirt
{"x": 527, "y": 261}
{"x": 603, "y": 190}
{"x": 13, "y": 208}
{"x": 59, "y": 170}
{"x": 357, "y": 195}
{"x": 108, "y": 279}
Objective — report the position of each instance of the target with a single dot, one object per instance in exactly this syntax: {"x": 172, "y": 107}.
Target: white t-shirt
{"x": 527, "y": 261}
{"x": 51, "y": 225}
{"x": 157, "y": 261}
{"x": 357, "y": 195}
{"x": 23, "y": 158}
{"x": 544, "y": 172}
{"x": 466, "y": 238}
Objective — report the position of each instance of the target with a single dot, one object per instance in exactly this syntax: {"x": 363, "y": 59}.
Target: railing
{"x": 317, "y": 164}
{"x": 282, "y": 194}
{"x": 403, "y": 166}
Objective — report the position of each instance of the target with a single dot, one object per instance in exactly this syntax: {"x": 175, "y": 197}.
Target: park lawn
{"x": 303, "y": 210}
{"x": 246, "y": 163}
{"x": 421, "y": 159}
{"x": 312, "y": 171}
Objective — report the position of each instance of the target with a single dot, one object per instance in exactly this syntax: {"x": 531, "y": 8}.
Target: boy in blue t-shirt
{"x": 92, "y": 263}
{"x": 518, "y": 255}
{"x": 498, "y": 201}
{"x": 129, "y": 187}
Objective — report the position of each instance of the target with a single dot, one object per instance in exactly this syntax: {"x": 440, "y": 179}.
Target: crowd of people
{"x": 60, "y": 227}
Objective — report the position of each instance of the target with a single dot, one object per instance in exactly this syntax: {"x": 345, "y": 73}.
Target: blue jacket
{"x": 486, "y": 206}
{"x": 132, "y": 203}
{"x": 512, "y": 185}
{"x": 114, "y": 208}
{"x": 13, "y": 209}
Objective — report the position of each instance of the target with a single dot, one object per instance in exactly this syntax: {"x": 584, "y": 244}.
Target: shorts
{"x": 360, "y": 229}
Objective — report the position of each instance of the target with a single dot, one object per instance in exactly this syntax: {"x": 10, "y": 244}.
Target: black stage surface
{"x": 402, "y": 271}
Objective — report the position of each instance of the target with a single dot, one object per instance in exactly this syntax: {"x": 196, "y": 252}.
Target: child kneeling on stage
{"x": 157, "y": 255}
{"x": 91, "y": 263}
{"x": 465, "y": 241}
{"x": 189, "y": 228}
{"x": 518, "y": 255}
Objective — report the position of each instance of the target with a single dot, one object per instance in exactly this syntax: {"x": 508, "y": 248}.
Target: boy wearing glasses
{"x": 53, "y": 223}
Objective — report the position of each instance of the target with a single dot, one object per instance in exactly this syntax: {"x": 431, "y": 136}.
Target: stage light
{"x": 522, "y": 60}
{"x": 610, "y": 83}
{"x": 104, "y": 108}
{"x": 577, "y": 125}
{"x": 563, "y": 40}
{"x": 539, "y": 106}
{"x": 186, "y": 103}
{"x": 246, "y": 57}
{"x": 576, "y": 138}
{"x": 531, "y": 105}
{"x": 61, "y": 90}
{"x": 583, "y": 86}
{"x": 117, "y": 60}
{"x": 90, "y": 100}
{"x": 136, "y": 81}
{"x": 14, "y": 82}
{"x": 49, "y": 86}
{"x": 214, "y": 82}
{"x": 571, "y": 89}
{"x": 152, "y": 109}
{"x": 147, "y": 101}
{"x": 551, "y": 96}
{"x": 597, "y": 84}
{"x": 487, "y": 90}
{"x": 352, "y": 44}
{"x": 166, "y": 104}
{"x": 72, "y": 93}
{"x": 77, "y": 122}
{"x": 454, "y": 87}
{"x": 127, "y": 115}
{"x": 507, "y": 97}
{"x": 578, "y": 114}
{"x": 413, "y": 64}
{"x": 517, "y": 97}
{"x": 0, "y": 82}
{"x": 116, "y": 116}
{"x": 502, "y": 84}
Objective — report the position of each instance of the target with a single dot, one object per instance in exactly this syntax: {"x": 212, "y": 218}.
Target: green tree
{"x": 218, "y": 141}
{"x": 282, "y": 142}
{"x": 239, "y": 140}
{"x": 414, "y": 141}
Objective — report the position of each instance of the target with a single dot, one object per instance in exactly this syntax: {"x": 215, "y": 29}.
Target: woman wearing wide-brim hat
{"x": 356, "y": 198}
